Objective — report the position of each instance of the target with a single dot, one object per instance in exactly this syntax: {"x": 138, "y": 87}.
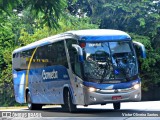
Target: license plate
{"x": 116, "y": 97}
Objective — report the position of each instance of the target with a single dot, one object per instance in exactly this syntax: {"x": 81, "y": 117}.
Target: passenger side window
{"x": 49, "y": 55}
{"x": 57, "y": 54}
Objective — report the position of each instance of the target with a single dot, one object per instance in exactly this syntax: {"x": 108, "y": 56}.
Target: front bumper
{"x": 103, "y": 97}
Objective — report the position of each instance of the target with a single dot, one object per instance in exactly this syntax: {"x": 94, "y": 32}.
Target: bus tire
{"x": 117, "y": 106}
{"x": 32, "y": 106}
{"x": 72, "y": 108}
{"x": 68, "y": 104}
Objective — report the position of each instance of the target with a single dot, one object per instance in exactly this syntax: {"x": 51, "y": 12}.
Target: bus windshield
{"x": 109, "y": 62}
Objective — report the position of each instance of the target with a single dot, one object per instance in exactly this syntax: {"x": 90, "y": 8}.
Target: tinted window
{"x": 57, "y": 54}
{"x": 49, "y": 55}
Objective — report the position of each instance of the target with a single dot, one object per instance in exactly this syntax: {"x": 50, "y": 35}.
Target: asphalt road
{"x": 129, "y": 111}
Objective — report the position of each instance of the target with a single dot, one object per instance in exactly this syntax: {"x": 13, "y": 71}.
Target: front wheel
{"x": 117, "y": 106}
{"x": 32, "y": 106}
{"x": 68, "y": 104}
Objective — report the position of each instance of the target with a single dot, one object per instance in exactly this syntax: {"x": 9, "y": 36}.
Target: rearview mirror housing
{"x": 79, "y": 51}
{"x": 142, "y": 48}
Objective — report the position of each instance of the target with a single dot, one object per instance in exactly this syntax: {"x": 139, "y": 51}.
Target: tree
{"x": 136, "y": 16}
{"x": 47, "y": 11}
{"x": 140, "y": 18}
{"x": 15, "y": 33}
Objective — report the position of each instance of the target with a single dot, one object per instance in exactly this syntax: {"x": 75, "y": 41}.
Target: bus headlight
{"x": 92, "y": 89}
{"x": 136, "y": 86}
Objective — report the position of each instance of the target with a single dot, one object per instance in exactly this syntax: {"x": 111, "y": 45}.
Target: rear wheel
{"x": 32, "y": 106}
{"x": 117, "y": 106}
{"x": 68, "y": 104}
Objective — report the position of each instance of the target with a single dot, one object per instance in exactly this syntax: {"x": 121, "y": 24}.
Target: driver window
{"x": 75, "y": 65}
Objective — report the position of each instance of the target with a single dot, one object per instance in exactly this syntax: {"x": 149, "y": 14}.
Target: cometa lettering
{"x": 49, "y": 75}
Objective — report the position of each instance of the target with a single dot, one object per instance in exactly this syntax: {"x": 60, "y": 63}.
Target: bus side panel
{"x": 46, "y": 84}
{"x": 19, "y": 81}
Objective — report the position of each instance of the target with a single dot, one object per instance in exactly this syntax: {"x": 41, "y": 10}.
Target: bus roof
{"x": 94, "y": 35}
{"x": 89, "y": 35}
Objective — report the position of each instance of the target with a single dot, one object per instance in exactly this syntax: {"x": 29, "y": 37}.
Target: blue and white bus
{"x": 83, "y": 67}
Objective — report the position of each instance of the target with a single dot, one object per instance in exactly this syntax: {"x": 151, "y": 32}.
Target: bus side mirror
{"x": 79, "y": 51}
{"x": 139, "y": 47}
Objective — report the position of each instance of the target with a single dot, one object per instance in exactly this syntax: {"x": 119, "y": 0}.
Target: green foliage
{"x": 7, "y": 38}
{"x": 141, "y": 18}
{"x": 7, "y": 5}
{"x": 29, "y": 22}
{"x": 149, "y": 67}
{"x": 16, "y": 35}
{"x": 45, "y": 11}
{"x": 73, "y": 23}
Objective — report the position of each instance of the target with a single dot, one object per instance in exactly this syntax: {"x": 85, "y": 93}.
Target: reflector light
{"x": 83, "y": 45}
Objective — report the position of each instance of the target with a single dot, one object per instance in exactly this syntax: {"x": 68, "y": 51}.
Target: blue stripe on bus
{"x": 50, "y": 73}
{"x": 111, "y": 86}
{"x": 105, "y": 38}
